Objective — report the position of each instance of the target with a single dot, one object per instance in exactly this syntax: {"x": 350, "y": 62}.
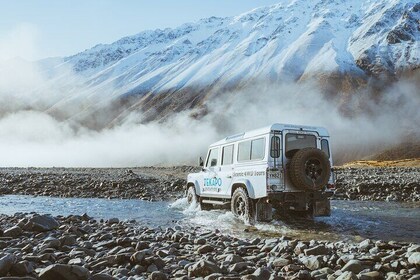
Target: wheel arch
{"x": 245, "y": 184}
{"x": 195, "y": 185}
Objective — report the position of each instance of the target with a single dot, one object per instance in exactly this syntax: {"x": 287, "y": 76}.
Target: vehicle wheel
{"x": 191, "y": 195}
{"x": 310, "y": 169}
{"x": 241, "y": 205}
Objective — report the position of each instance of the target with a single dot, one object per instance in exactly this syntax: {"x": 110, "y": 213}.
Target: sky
{"x": 38, "y": 29}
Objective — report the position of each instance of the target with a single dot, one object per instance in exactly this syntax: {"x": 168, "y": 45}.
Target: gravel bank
{"x": 379, "y": 183}
{"x": 147, "y": 183}
{"x": 79, "y": 247}
{"x": 168, "y": 183}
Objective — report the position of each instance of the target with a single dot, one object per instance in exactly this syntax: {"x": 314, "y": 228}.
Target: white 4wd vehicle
{"x": 287, "y": 167}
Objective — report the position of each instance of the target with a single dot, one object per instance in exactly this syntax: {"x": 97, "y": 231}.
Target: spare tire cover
{"x": 309, "y": 169}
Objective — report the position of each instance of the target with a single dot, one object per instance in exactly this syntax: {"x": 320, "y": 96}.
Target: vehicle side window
{"x": 227, "y": 155}
{"x": 257, "y": 149}
{"x": 213, "y": 156}
{"x": 244, "y": 151}
{"x": 251, "y": 150}
{"x": 324, "y": 147}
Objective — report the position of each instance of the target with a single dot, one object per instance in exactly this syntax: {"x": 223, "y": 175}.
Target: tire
{"x": 191, "y": 195}
{"x": 310, "y": 169}
{"x": 241, "y": 206}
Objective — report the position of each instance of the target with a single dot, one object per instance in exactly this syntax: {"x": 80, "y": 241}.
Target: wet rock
{"x": 205, "y": 249}
{"x": 317, "y": 250}
{"x": 13, "y": 232}
{"x": 414, "y": 258}
{"x": 65, "y": 272}
{"x": 232, "y": 258}
{"x": 203, "y": 268}
{"x": 280, "y": 262}
{"x": 41, "y": 223}
{"x": 354, "y": 266}
{"x": 372, "y": 275}
{"x": 313, "y": 262}
{"x": 347, "y": 275}
{"x": 157, "y": 275}
{"x": 6, "y": 264}
{"x": 22, "y": 268}
{"x": 103, "y": 276}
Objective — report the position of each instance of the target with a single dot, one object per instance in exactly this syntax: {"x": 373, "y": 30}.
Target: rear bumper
{"x": 317, "y": 203}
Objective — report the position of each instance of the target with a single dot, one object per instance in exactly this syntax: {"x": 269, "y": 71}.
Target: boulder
{"x": 203, "y": 268}
{"x": 22, "y": 268}
{"x": 317, "y": 250}
{"x": 13, "y": 232}
{"x": 41, "y": 223}
{"x": 6, "y": 264}
{"x": 414, "y": 258}
{"x": 64, "y": 272}
{"x": 354, "y": 266}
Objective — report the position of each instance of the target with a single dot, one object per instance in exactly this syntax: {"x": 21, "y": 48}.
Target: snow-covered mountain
{"x": 293, "y": 39}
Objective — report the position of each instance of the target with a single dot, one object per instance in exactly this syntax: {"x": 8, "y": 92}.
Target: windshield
{"x": 295, "y": 142}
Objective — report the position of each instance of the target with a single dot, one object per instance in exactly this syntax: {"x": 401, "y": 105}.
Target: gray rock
{"x": 40, "y": 223}
{"x": 113, "y": 221}
{"x": 64, "y": 272}
{"x": 415, "y": 277}
{"x": 103, "y": 276}
{"x": 22, "y": 268}
{"x": 6, "y": 264}
{"x": 238, "y": 267}
{"x": 354, "y": 266}
{"x": 205, "y": 249}
{"x": 414, "y": 258}
{"x": 17, "y": 278}
{"x": 232, "y": 258}
{"x": 203, "y": 268}
{"x": 280, "y": 262}
{"x": 317, "y": 250}
{"x": 372, "y": 275}
{"x": 313, "y": 262}
{"x": 138, "y": 257}
{"x": 157, "y": 275}
{"x": 13, "y": 232}
{"x": 347, "y": 275}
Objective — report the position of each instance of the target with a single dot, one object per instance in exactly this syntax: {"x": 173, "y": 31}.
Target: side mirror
{"x": 200, "y": 162}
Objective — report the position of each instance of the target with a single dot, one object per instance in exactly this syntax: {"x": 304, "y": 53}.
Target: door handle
{"x": 229, "y": 176}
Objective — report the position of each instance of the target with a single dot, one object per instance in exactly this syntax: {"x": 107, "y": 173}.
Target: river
{"x": 350, "y": 220}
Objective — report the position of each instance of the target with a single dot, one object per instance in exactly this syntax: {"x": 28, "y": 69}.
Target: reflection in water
{"x": 350, "y": 220}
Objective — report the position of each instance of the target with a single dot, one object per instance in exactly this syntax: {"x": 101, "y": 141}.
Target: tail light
{"x": 331, "y": 186}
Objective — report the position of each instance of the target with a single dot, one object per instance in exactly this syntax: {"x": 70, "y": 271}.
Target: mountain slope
{"x": 295, "y": 39}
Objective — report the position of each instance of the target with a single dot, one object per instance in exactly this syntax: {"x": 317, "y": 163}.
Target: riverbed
{"x": 350, "y": 220}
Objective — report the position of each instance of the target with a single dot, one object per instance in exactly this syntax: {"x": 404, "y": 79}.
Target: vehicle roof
{"x": 264, "y": 130}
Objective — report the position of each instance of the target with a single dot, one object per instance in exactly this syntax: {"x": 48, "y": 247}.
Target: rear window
{"x": 295, "y": 142}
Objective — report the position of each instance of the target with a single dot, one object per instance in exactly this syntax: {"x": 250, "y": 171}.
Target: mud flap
{"x": 322, "y": 208}
{"x": 264, "y": 211}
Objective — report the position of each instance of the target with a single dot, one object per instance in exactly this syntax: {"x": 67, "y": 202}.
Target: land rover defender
{"x": 285, "y": 167}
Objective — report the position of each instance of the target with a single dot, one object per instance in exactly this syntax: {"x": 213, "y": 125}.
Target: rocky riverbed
{"x": 168, "y": 183}
{"x": 79, "y": 247}
{"x": 378, "y": 183}
{"x": 146, "y": 183}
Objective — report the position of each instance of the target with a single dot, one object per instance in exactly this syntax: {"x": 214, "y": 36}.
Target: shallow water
{"x": 350, "y": 220}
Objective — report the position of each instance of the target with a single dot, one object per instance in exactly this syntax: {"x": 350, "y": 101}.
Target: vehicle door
{"x": 226, "y": 168}
{"x": 212, "y": 182}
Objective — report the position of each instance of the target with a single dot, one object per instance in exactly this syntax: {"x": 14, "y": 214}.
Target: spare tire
{"x": 309, "y": 169}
